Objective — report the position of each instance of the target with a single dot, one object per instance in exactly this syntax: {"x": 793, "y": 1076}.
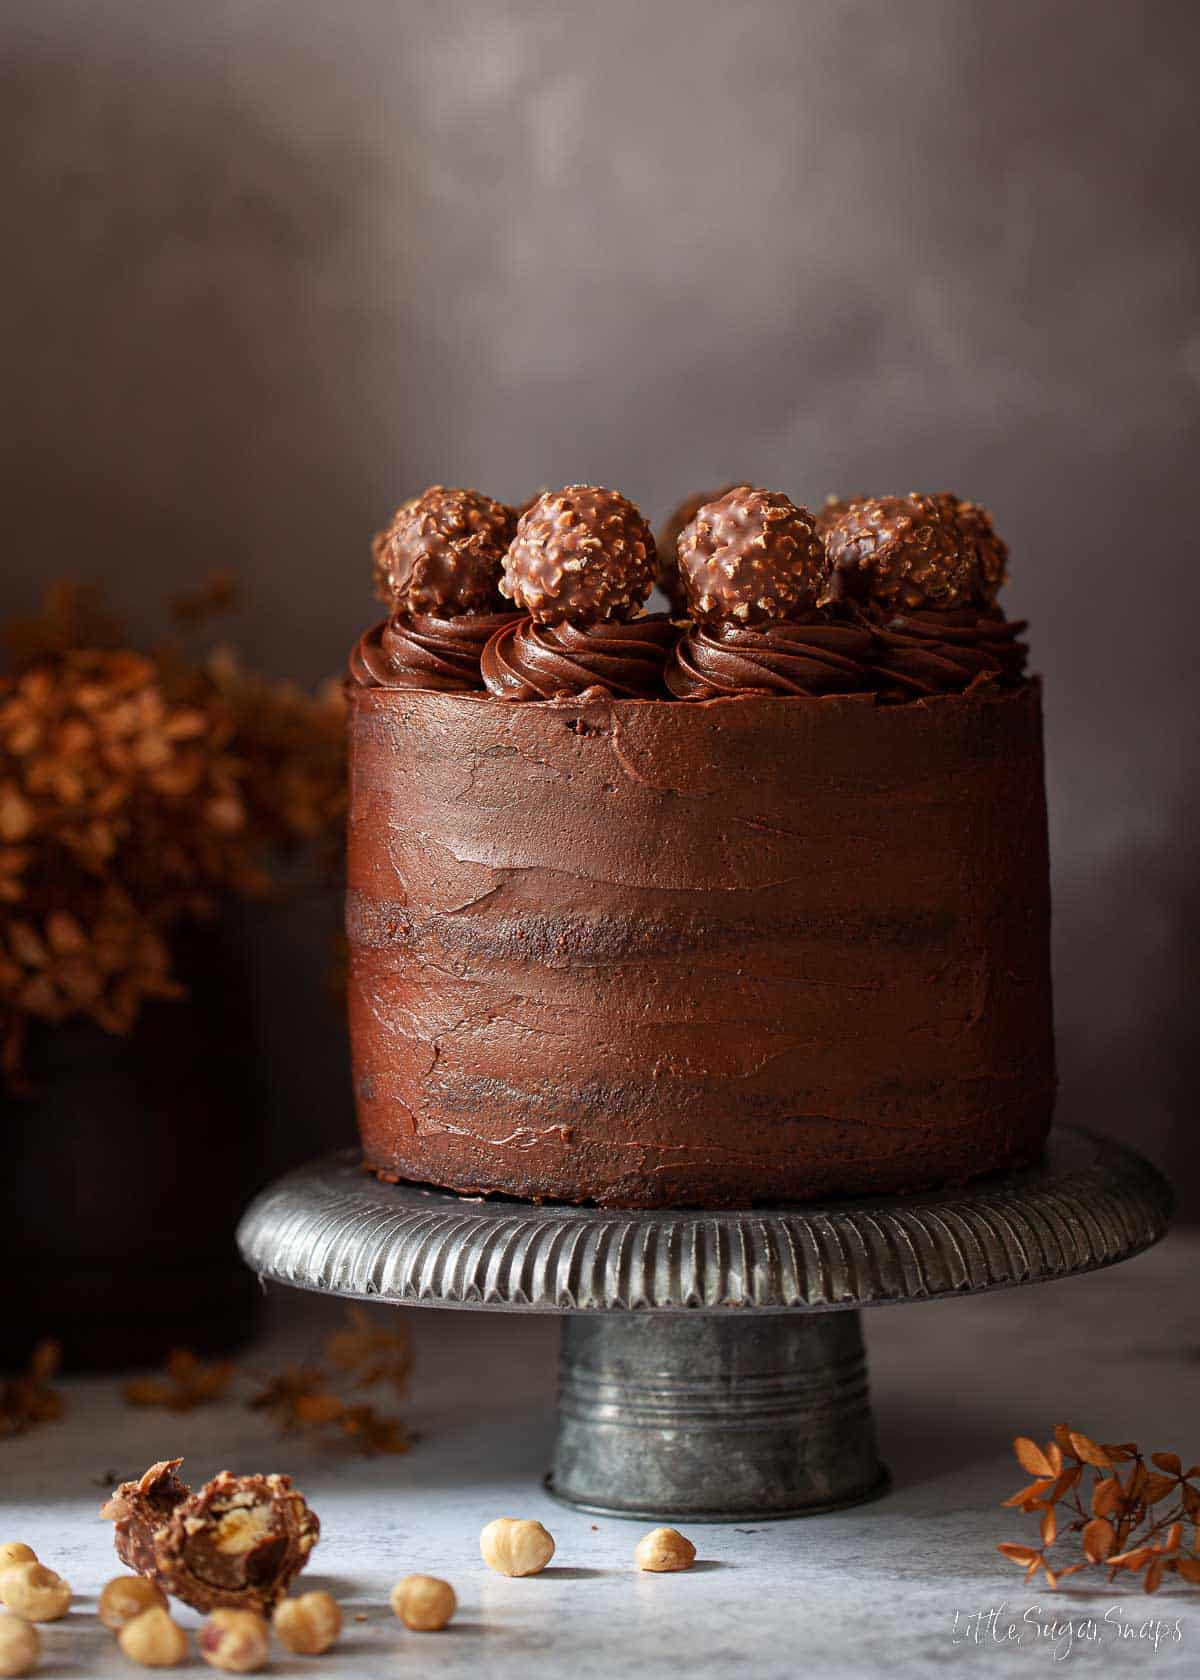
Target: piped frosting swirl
{"x": 528, "y": 661}
{"x": 420, "y": 651}
{"x": 921, "y": 653}
{"x": 792, "y": 658}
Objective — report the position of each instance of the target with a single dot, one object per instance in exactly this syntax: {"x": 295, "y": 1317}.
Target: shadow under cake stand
{"x": 712, "y": 1364}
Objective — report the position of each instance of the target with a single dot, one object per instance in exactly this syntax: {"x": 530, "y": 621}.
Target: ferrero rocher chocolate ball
{"x": 991, "y": 551}
{"x": 443, "y": 552}
{"x": 901, "y": 553}
{"x": 667, "y": 569}
{"x": 581, "y": 555}
{"x": 751, "y": 558}
{"x": 832, "y": 509}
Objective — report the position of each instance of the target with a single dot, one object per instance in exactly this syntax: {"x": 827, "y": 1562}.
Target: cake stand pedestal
{"x": 712, "y": 1364}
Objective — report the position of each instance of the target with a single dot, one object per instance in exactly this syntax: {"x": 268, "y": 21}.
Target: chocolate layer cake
{"x": 750, "y": 906}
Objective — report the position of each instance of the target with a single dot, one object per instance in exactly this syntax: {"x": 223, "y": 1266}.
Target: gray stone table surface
{"x": 901, "y": 1586}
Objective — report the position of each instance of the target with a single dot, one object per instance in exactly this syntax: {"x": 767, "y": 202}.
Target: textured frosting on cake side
{"x": 652, "y": 953}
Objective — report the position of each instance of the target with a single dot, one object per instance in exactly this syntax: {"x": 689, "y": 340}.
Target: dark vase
{"x": 128, "y": 1166}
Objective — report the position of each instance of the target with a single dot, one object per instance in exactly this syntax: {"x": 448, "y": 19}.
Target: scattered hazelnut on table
{"x": 35, "y": 1592}
{"x": 236, "y": 1640}
{"x": 153, "y": 1639}
{"x": 513, "y": 1546}
{"x": 424, "y": 1603}
{"x": 20, "y": 1646}
{"x": 308, "y": 1624}
{"x": 126, "y": 1597}
{"x": 15, "y": 1551}
{"x": 664, "y": 1550}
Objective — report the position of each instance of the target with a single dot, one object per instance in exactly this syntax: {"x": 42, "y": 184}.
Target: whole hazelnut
{"x": 153, "y": 1639}
{"x": 664, "y": 1550}
{"x": 20, "y": 1646}
{"x": 307, "y": 1624}
{"x": 32, "y": 1591}
{"x": 424, "y": 1603}
{"x": 236, "y": 1640}
{"x": 15, "y": 1551}
{"x": 126, "y": 1597}
{"x": 513, "y": 1546}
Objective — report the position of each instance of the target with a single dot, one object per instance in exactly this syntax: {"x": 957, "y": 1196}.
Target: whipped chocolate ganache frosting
{"x": 610, "y": 944}
{"x": 817, "y": 657}
{"x": 529, "y": 661}
{"x": 424, "y": 651}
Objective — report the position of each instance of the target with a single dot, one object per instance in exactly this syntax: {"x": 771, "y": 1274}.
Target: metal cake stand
{"x": 712, "y": 1364}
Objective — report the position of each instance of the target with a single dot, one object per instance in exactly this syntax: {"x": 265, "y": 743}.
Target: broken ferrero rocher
{"x": 582, "y": 555}
{"x": 442, "y": 553}
{"x": 237, "y": 1544}
{"x": 896, "y": 554}
{"x": 751, "y": 558}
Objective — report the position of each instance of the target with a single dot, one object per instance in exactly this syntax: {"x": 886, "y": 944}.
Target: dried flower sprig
{"x": 299, "y": 1399}
{"x": 188, "y": 1383}
{"x": 1129, "y": 1517}
{"x": 28, "y": 1398}
{"x": 137, "y": 790}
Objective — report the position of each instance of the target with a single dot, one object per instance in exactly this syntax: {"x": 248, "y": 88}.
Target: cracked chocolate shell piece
{"x": 751, "y": 558}
{"x": 991, "y": 551}
{"x": 141, "y": 1510}
{"x": 666, "y": 574}
{"x": 237, "y": 1544}
{"x": 582, "y": 555}
{"x": 442, "y": 553}
{"x": 901, "y": 554}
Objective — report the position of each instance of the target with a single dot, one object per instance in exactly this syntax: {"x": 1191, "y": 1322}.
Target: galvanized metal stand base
{"x": 712, "y": 1363}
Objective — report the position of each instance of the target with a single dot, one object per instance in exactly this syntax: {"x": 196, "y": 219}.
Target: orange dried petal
{"x": 1019, "y": 1554}
{"x": 1155, "y": 1488}
{"x": 1170, "y": 1462}
{"x": 1031, "y": 1458}
{"x": 1099, "y": 1539}
{"x": 1026, "y": 1496}
{"x": 1089, "y": 1452}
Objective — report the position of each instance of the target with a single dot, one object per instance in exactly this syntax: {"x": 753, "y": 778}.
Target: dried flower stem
{"x": 1138, "y": 1517}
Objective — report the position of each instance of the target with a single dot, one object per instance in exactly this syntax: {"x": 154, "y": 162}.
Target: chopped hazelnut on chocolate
{"x": 237, "y": 1543}
{"x": 582, "y": 555}
{"x": 903, "y": 553}
{"x": 751, "y": 558}
{"x": 442, "y": 553}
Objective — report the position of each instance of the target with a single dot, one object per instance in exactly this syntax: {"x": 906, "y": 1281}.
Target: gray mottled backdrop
{"x": 274, "y": 264}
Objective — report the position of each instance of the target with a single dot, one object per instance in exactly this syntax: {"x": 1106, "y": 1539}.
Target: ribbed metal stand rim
{"x": 332, "y": 1228}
